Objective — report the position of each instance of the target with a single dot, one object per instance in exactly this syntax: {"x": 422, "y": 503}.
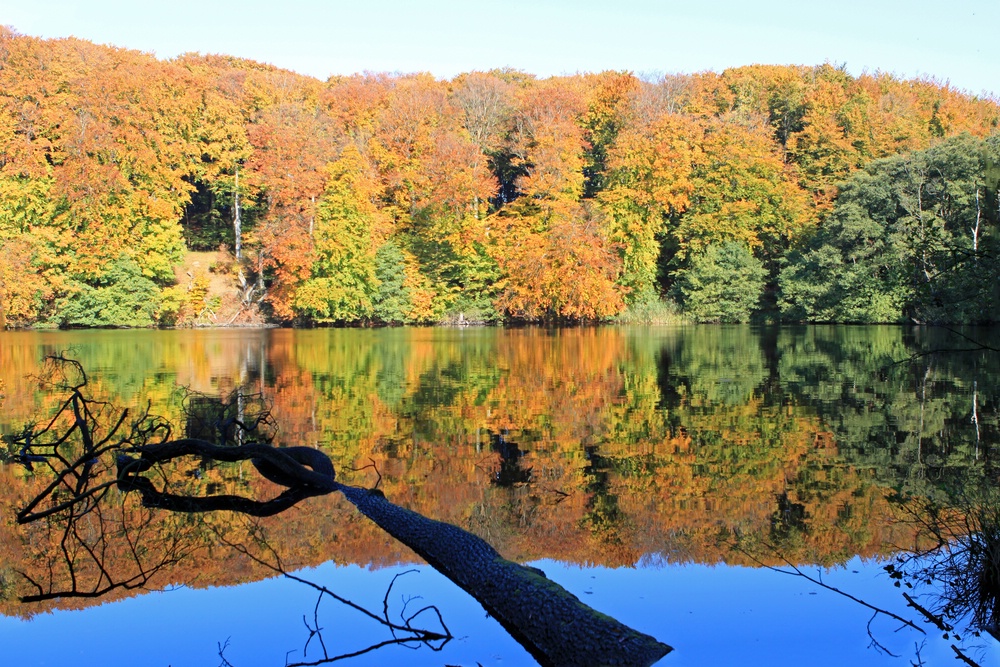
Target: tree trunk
{"x": 237, "y": 222}
{"x": 549, "y": 621}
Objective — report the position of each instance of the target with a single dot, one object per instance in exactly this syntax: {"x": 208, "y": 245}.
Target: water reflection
{"x": 597, "y": 446}
{"x": 89, "y": 449}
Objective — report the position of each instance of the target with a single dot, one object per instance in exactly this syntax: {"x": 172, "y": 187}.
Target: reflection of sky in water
{"x": 711, "y": 615}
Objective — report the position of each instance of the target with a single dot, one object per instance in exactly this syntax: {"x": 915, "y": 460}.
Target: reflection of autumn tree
{"x": 739, "y": 459}
{"x": 85, "y": 539}
{"x": 728, "y": 469}
{"x": 90, "y": 449}
{"x": 678, "y": 435}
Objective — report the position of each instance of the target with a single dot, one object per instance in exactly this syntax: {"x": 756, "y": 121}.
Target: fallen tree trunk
{"x": 549, "y": 621}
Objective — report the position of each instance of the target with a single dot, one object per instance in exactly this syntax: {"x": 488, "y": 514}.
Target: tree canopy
{"x": 492, "y": 196}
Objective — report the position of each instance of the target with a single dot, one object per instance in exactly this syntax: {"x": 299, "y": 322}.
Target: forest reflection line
{"x": 636, "y": 445}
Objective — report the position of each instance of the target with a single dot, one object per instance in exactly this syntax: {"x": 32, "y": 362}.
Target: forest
{"x": 211, "y": 190}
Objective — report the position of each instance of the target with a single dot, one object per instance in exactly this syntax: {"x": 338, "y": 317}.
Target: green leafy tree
{"x": 910, "y": 238}
{"x": 121, "y": 297}
{"x": 343, "y": 285}
{"x": 847, "y": 271}
{"x": 392, "y": 301}
{"x": 723, "y": 283}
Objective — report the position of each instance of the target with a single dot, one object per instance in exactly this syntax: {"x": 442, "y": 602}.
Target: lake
{"x": 678, "y": 479}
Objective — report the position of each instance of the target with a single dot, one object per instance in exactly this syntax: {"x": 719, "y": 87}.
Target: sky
{"x": 956, "y": 41}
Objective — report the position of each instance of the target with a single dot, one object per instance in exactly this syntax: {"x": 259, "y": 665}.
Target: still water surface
{"x": 651, "y": 472}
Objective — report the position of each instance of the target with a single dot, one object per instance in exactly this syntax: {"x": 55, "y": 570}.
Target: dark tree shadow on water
{"x": 89, "y": 449}
{"x": 961, "y": 567}
{"x": 410, "y": 630}
{"x": 949, "y": 578}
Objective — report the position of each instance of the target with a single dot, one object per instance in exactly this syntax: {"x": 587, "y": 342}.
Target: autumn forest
{"x": 209, "y": 190}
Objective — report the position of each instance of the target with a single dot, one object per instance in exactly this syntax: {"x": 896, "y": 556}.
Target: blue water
{"x": 711, "y": 615}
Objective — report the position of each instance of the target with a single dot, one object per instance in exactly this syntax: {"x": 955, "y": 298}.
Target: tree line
{"x": 791, "y": 193}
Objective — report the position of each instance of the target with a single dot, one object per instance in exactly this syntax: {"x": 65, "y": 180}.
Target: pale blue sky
{"x": 957, "y": 41}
